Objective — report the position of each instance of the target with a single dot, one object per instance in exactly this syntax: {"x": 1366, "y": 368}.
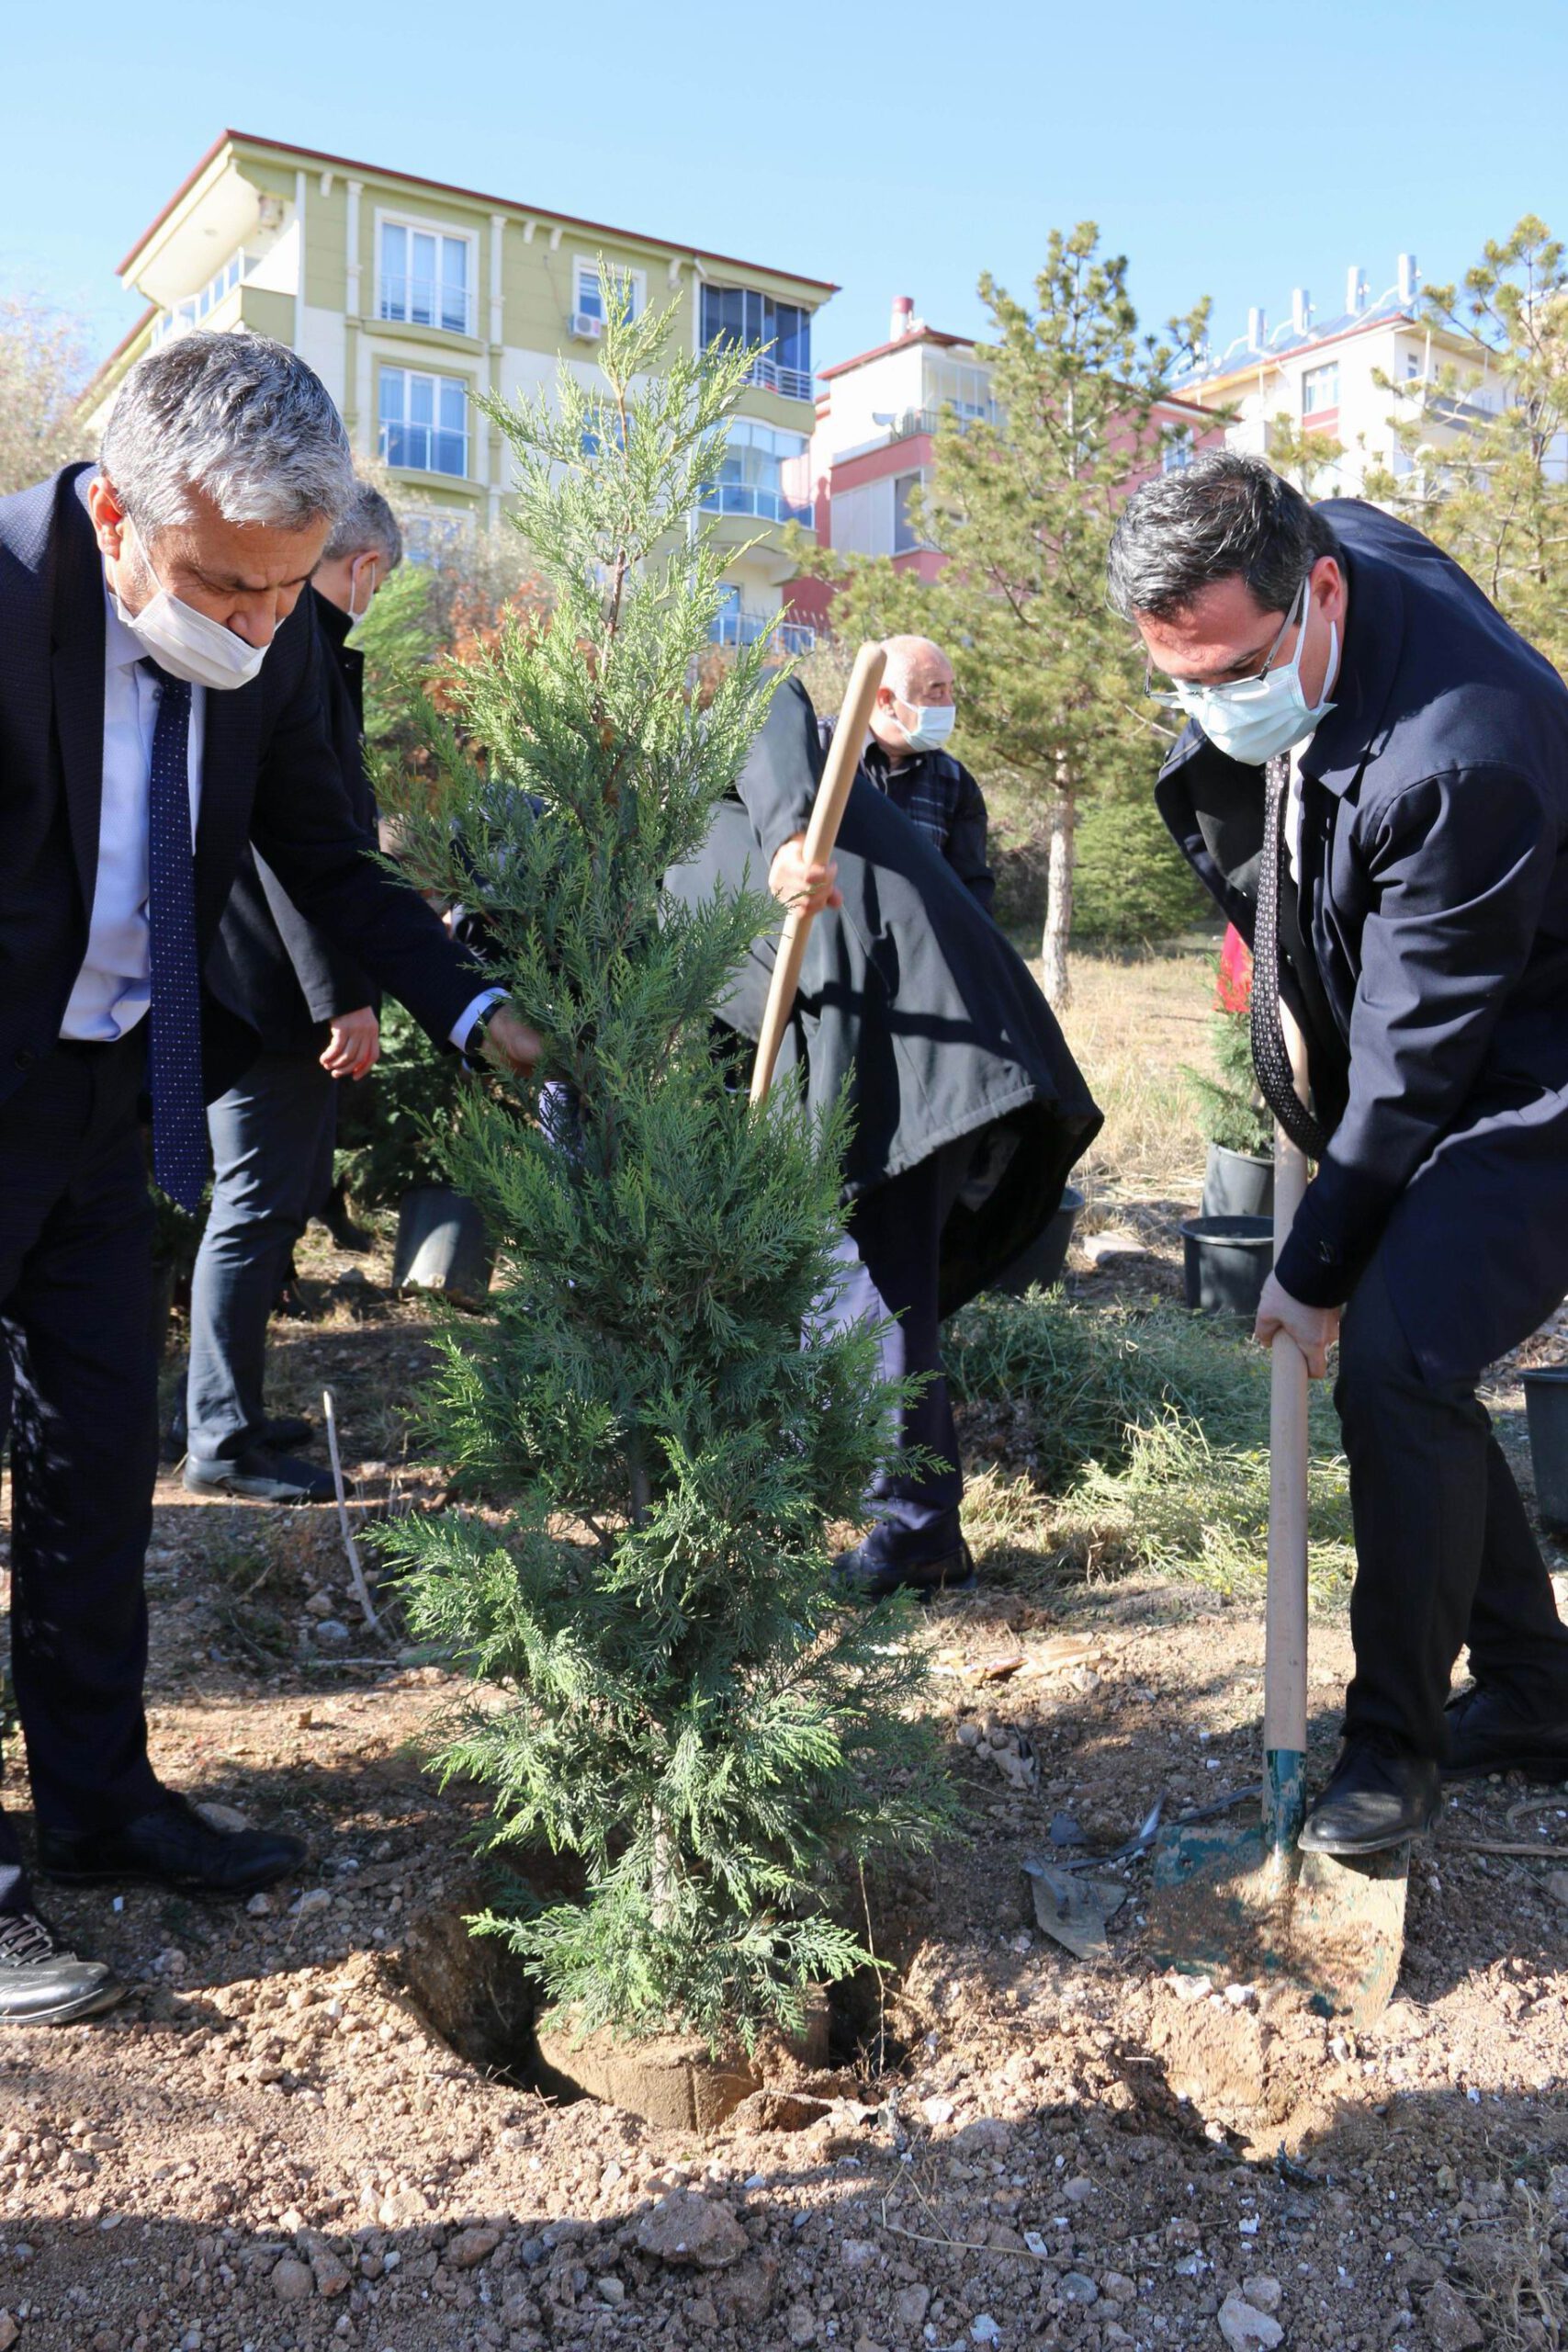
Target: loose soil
{"x": 270, "y": 2145}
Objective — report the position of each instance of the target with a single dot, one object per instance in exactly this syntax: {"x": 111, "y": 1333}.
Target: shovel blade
{"x": 1223, "y": 1907}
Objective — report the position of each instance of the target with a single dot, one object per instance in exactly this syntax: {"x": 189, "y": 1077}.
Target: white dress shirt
{"x": 115, "y": 983}
{"x": 113, "y": 986}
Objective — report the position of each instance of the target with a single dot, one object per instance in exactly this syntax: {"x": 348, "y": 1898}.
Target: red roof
{"x": 445, "y": 187}
{"x": 916, "y": 334}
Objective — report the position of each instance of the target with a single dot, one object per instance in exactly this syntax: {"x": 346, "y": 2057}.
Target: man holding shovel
{"x": 1373, "y": 783}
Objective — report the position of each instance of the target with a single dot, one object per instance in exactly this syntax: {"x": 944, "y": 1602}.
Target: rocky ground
{"x": 270, "y": 2145}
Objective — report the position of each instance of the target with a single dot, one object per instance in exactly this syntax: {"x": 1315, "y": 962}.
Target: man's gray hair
{"x": 367, "y": 524}
{"x": 1223, "y": 518}
{"x": 240, "y": 419}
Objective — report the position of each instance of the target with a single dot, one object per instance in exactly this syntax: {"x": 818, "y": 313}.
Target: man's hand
{"x": 1313, "y": 1329}
{"x": 510, "y": 1042}
{"x": 808, "y": 888}
{"x": 354, "y": 1044}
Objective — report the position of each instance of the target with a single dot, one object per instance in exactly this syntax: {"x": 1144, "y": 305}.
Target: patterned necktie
{"x": 1269, "y": 1058}
{"x": 179, "y": 1116}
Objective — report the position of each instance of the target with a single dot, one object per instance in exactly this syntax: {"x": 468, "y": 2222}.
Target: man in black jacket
{"x": 160, "y": 706}
{"x": 1375, "y": 786}
{"x": 272, "y": 1133}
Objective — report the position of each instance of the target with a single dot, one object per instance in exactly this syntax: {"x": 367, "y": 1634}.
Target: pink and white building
{"x": 872, "y": 448}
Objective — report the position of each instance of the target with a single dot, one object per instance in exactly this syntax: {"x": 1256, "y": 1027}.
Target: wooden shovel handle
{"x": 821, "y": 834}
{"x": 1285, "y": 1610}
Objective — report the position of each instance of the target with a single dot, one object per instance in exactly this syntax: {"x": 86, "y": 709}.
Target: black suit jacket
{"x": 911, "y": 1001}
{"x": 292, "y": 975}
{"x": 270, "y": 776}
{"x": 1431, "y": 963}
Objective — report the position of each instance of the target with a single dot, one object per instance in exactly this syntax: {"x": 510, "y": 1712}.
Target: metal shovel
{"x": 1244, "y": 1905}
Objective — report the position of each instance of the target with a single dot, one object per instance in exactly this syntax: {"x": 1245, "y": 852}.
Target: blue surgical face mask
{"x": 934, "y": 724}
{"x": 1256, "y": 718}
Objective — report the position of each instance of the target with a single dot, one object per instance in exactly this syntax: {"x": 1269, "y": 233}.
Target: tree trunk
{"x": 1055, "y": 976}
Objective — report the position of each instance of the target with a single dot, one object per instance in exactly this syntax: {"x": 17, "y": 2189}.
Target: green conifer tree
{"x": 683, "y": 1708}
{"x": 1023, "y": 503}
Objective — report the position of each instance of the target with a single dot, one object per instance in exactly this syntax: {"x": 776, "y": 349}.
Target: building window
{"x": 1177, "y": 449}
{"x": 1320, "y": 389}
{"x": 906, "y": 538}
{"x": 593, "y": 287}
{"x": 424, "y": 422}
{"x": 763, "y": 474}
{"x": 426, "y": 277}
{"x": 780, "y": 333}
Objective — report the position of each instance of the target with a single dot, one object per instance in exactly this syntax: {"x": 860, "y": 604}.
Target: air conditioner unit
{"x": 585, "y": 327}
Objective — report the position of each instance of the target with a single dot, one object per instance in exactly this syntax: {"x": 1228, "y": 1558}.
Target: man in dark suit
{"x": 1375, "y": 786}
{"x": 160, "y": 706}
{"x": 272, "y": 1133}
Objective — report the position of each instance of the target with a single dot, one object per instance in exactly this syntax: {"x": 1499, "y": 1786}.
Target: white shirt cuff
{"x": 472, "y": 1012}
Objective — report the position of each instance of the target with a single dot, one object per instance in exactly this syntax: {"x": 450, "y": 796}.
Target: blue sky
{"x": 898, "y": 150}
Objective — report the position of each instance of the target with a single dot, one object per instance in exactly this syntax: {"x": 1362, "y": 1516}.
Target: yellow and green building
{"x": 407, "y": 296}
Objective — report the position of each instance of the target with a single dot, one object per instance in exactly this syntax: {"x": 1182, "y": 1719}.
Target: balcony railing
{"x": 930, "y": 420}
{"x": 425, "y": 302}
{"x": 769, "y": 375}
{"x": 197, "y": 309}
{"x": 741, "y": 628}
{"x": 747, "y": 498}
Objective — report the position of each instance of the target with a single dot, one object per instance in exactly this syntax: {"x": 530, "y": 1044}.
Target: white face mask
{"x": 186, "y": 643}
{"x": 934, "y": 724}
{"x": 1254, "y": 719}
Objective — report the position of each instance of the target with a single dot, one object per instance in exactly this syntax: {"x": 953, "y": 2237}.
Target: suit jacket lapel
{"x": 77, "y": 672}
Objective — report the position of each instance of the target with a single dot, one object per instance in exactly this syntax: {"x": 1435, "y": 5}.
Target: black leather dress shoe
{"x": 269, "y": 1477}
{"x": 172, "y": 1846}
{"x": 42, "y": 1983}
{"x": 862, "y": 1574}
{"x": 1376, "y": 1798}
{"x": 1486, "y": 1736}
{"x": 289, "y": 1428}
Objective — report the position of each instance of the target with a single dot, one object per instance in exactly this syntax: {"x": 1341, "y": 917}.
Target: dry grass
{"x": 1132, "y": 1022}
{"x": 1517, "y": 2290}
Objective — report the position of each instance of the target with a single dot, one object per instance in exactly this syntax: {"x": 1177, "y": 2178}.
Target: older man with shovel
{"x": 1373, "y": 783}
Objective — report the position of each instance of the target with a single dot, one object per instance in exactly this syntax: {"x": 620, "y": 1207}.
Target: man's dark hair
{"x": 1223, "y": 518}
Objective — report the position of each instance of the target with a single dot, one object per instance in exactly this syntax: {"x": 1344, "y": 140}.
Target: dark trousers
{"x": 76, "y": 1314}
{"x": 888, "y": 1275}
{"x": 1444, "y": 1552}
{"x": 272, "y": 1164}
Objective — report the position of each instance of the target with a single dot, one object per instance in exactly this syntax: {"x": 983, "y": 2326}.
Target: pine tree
{"x": 1488, "y": 482}
{"x": 1023, "y": 506}
{"x": 682, "y": 1707}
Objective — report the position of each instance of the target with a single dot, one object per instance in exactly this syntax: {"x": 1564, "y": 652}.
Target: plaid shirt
{"x": 942, "y": 801}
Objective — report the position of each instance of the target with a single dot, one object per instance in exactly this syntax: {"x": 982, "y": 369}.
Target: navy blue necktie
{"x": 179, "y": 1115}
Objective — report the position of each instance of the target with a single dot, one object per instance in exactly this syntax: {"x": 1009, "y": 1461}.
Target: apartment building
{"x": 1351, "y": 377}
{"x": 872, "y": 448}
{"x": 409, "y": 295}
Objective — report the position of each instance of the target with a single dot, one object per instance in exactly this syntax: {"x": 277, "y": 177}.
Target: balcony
{"x": 768, "y": 375}
{"x": 738, "y": 627}
{"x": 197, "y": 309}
{"x": 748, "y": 498}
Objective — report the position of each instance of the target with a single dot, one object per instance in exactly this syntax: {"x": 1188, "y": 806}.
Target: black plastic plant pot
{"x": 1546, "y": 1409}
{"x": 442, "y": 1244}
{"x": 1046, "y": 1255}
{"x": 1237, "y": 1184}
{"x": 1227, "y": 1260}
